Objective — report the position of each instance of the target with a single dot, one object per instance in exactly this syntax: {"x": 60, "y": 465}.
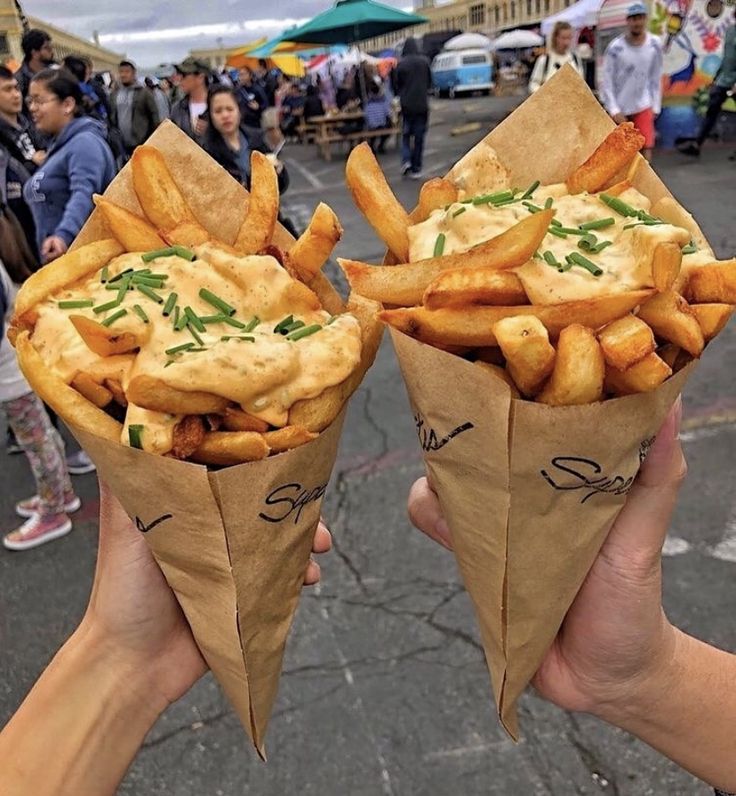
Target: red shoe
{"x": 32, "y": 505}
{"x": 37, "y": 531}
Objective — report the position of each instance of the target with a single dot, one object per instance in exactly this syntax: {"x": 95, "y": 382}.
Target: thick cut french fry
{"x": 315, "y": 244}
{"x": 188, "y": 435}
{"x": 626, "y": 341}
{"x": 62, "y": 398}
{"x": 161, "y": 199}
{"x": 618, "y": 188}
{"x": 671, "y": 318}
{"x": 473, "y": 326}
{"x": 530, "y": 356}
{"x": 579, "y": 369}
{"x": 288, "y": 437}
{"x": 612, "y": 155}
{"x": 64, "y": 271}
{"x": 669, "y": 353}
{"x": 259, "y": 223}
{"x": 226, "y": 448}
{"x": 713, "y": 283}
{"x": 645, "y": 376}
{"x": 666, "y": 264}
{"x": 102, "y": 339}
{"x": 148, "y": 392}
{"x": 712, "y": 318}
{"x": 405, "y": 284}
{"x": 84, "y": 383}
{"x": 238, "y": 420}
{"x": 134, "y": 232}
{"x": 433, "y": 195}
{"x": 500, "y": 373}
{"x": 118, "y": 393}
{"x": 315, "y": 414}
{"x": 669, "y": 210}
{"x": 471, "y": 286}
{"x": 376, "y": 201}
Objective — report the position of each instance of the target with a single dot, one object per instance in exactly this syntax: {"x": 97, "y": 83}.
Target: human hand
{"x": 619, "y": 118}
{"x": 200, "y": 127}
{"x": 39, "y": 157}
{"x": 133, "y": 614}
{"x": 53, "y": 247}
{"x": 615, "y": 639}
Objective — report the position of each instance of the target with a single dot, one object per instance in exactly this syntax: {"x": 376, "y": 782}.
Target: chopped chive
{"x": 439, "y": 245}
{"x": 178, "y": 348}
{"x": 492, "y": 198}
{"x": 169, "y": 362}
{"x": 175, "y": 319}
{"x": 104, "y": 274}
{"x": 193, "y": 331}
{"x": 588, "y": 242}
{"x": 134, "y": 435}
{"x": 252, "y": 323}
{"x": 220, "y": 318}
{"x": 530, "y": 190}
{"x": 194, "y": 320}
{"x": 537, "y": 255}
{"x": 241, "y": 337}
{"x": 181, "y": 321}
{"x": 184, "y": 253}
{"x": 599, "y": 223}
{"x": 532, "y": 208}
{"x": 75, "y": 304}
{"x": 147, "y": 281}
{"x": 621, "y": 207}
{"x": 305, "y": 332}
{"x": 292, "y": 327}
{"x": 504, "y": 202}
{"x": 555, "y": 223}
{"x": 216, "y": 301}
{"x": 577, "y": 259}
{"x": 169, "y": 251}
{"x": 150, "y": 294}
{"x": 140, "y": 312}
{"x": 122, "y": 290}
{"x": 571, "y": 231}
{"x": 332, "y": 319}
{"x": 119, "y": 276}
{"x": 602, "y": 245}
{"x": 233, "y": 322}
{"x": 147, "y": 273}
{"x": 114, "y": 317}
{"x": 644, "y": 216}
{"x": 550, "y": 259}
{"x": 548, "y": 203}
{"x": 459, "y": 212}
{"x": 283, "y": 324}
{"x": 110, "y": 305}
{"x": 194, "y": 350}
{"x": 556, "y": 231}
{"x": 170, "y": 304}
{"x": 691, "y": 248}
{"x": 654, "y": 223}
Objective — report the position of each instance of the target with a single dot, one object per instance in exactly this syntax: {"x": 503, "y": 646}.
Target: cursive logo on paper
{"x": 428, "y": 437}
{"x": 143, "y": 528}
{"x": 646, "y": 444}
{"x": 569, "y": 473}
{"x": 291, "y": 499}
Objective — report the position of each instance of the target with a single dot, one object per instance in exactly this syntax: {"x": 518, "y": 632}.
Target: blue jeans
{"x": 415, "y": 127}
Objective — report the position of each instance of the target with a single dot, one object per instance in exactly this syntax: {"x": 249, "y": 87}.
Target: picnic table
{"x": 328, "y": 130}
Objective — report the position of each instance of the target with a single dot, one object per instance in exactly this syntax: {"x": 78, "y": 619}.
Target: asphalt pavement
{"x": 384, "y": 690}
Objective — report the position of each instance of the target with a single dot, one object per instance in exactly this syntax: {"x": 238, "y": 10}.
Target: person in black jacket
{"x": 413, "y": 80}
{"x": 251, "y": 99}
{"x": 17, "y": 134}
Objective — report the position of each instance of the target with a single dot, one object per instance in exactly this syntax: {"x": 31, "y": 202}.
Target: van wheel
{"x": 451, "y": 92}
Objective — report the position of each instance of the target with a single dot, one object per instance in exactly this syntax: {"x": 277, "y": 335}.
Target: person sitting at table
{"x": 292, "y": 110}
{"x": 377, "y": 113}
{"x": 313, "y": 104}
{"x": 346, "y": 98}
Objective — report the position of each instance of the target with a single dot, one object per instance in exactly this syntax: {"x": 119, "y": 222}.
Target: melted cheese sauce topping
{"x": 626, "y": 263}
{"x": 265, "y": 377}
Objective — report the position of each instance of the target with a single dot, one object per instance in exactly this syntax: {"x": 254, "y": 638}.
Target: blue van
{"x": 455, "y": 71}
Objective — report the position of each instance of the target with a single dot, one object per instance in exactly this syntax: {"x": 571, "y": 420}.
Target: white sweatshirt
{"x": 632, "y": 76}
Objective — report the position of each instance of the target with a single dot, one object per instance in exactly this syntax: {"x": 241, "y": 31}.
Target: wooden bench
{"x": 306, "y": 131}
{"x": 324, "y": 144}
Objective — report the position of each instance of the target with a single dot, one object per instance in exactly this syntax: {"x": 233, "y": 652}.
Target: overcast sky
{"x": 156, "y": 31}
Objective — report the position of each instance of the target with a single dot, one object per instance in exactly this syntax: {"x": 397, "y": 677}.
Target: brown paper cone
{"x": 529, "y": 491}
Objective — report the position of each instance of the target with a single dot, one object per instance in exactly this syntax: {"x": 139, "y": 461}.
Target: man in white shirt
{"x": 632, "y": 76}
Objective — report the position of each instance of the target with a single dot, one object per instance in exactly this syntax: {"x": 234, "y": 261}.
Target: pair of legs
{"x": 378, "y": 144}
{"x": 691, "y": 146}
{"x": 644, "y": 123}
{"x": 412, "y": 142}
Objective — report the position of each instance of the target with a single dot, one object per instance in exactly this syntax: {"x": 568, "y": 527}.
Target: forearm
{"x": 689, "y": 712}
{"x": 80, "y": 726}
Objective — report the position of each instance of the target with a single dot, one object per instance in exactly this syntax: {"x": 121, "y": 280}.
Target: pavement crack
{"x": 193, "y": 726}
{"x": 600, "y": 773}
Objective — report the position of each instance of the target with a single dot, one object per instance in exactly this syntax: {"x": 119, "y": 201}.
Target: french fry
{"x": 376, "y": 201}
{"x": 288, "y": 437}
{"x": 612, "y": 155}
{"x": 666, "y": 264}
{"x": 161, "y": 199}
{"x": 626, "y": 341}
{"x": 579, "y": 369}
{"x": 473, "y": 326}
{"x": 713, "y": 283}
{"x": 259, "y": 223}
{"x": 102, "y": 340}
{"x": 671, "y": 318}
{"x": 470, "y": 286}
{"x": 669, "y": 353}
{"x": 433, "y": 195}
{"x": 315, "y": 244}
{"x": 501, "y": 373}
{"x": 134, "y": 233}
{"x": 236, "y": 419}
{"x": 84, "y": 384}
{"x": 188, "y": 435}
{"x": 405, "y": 284}
{"x": 64, "y": 271}
{"x": 62, "y": 398}
{"x": 328, "y": 297}
{"x": 618, "y": 188}
{"x": 148, "y": 392}
{"x": 530, "y": 357}
{"x": 116, "y": 388}
{"x": 645, "y": 376}
{"x": 226, "y": 448}
{"x": 712, "y": 318}
{"x": 669, "y": 210}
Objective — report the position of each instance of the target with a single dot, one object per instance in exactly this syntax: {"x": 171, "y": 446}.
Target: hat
{"x": 636, "y": 10}
{"x": 192, "y": 66}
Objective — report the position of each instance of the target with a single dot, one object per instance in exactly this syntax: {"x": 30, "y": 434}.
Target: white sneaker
{"x": 79, "y": 464}
{"x": 30, "y": 506}
{"x": 405, "y": 168}
{"x": 37, "y": 531}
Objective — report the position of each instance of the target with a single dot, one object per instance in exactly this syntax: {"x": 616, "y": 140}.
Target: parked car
{"x": 462, "y": 71}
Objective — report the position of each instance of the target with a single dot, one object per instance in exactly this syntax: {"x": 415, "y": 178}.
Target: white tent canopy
{"x": 517, "y": 40}
{"x": 583, "y": 14}
{"x": 468, "y": 41}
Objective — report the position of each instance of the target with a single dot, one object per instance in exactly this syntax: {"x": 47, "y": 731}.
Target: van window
{"x": 474, "y": 59}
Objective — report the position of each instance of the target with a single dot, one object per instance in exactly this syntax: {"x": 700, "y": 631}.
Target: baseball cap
{"x": 636, "y": 10}
{"x": 192, "y": 66}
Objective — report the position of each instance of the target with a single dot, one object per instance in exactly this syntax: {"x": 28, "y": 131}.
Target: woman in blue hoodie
{"x": 78, "y": 162}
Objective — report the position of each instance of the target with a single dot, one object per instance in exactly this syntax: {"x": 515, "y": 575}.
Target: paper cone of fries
{"x": 529, "y": 490}
{"x": 233, "y": 542}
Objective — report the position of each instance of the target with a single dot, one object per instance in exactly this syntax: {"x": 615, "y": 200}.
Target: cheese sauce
{"x": 265, "y": 375}
{"x": 626, "y": 262}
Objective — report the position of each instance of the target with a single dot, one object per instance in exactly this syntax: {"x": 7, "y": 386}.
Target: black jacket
{"x": 246, "y": 95}
{"x": 217, "y": 148}
{"x": 413, "y": 80}
{"x": 21, "y": 142}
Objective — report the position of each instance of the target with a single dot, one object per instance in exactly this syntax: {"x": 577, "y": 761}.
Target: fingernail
{"x": 442, "y": 529}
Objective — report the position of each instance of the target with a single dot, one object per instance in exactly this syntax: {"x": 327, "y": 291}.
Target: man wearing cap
{"x": 631, "y": 87}
{"x": 132, "y": 108}
{"x": 190, "y": 112}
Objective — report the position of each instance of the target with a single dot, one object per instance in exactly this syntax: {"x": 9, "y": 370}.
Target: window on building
{"x": 496, "y": 15}
{"x": 546, "y": 6}
{"x": 478, "y": 14}
{"x": 528, "y": 8}
{"x": 513, "y": 10}
{"x": 538, "y": 6}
